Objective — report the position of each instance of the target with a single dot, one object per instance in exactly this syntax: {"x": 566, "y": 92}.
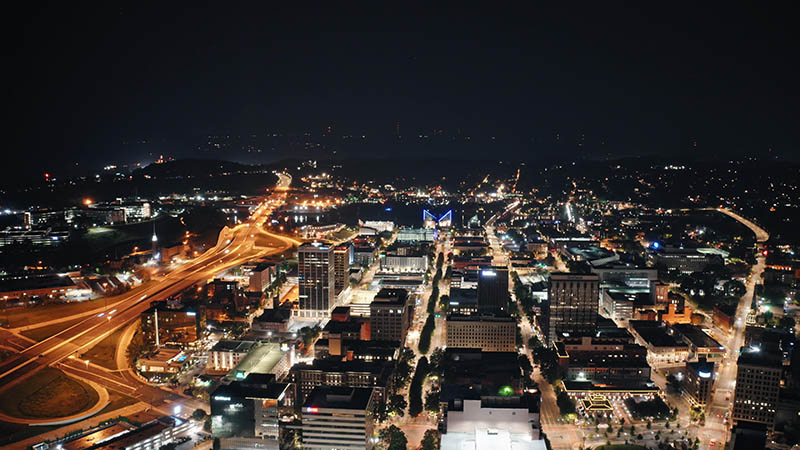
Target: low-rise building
{"x": 329, "y": 373}
{"x": 490, "y": 333}
{"x": 170, "y": 322}
{"x": 662, "y": 348}
{"x": 701, "y": 345}
{"x": 246, "y": 413}
{"x": 165, "y": 360}
{"x": 226, "y": 355}
{"x": 517, "y": 415}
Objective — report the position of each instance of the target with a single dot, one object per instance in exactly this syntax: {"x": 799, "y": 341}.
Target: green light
{"x": 505, "y": 391}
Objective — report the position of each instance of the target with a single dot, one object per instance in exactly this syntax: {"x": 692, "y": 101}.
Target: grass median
{"x": 49, "y": 393}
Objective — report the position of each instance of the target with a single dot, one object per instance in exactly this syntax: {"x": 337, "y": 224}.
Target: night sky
{"x": 692, "y": 80}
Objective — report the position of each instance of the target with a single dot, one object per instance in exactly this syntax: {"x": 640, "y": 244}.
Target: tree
{"x": 380, "y": 411}
{"x": 426, "y": 334}
{"x": 394, "y": 438}
{"x": 548, "y": 359}
{"x": 565, "y": 403}
{"x": 137, "y": 346}
{"x": 198, "y": 414}
{"x": 437, "y": 362}
{"x": 430, "y": 441}
{"x": 786, "y": 323}
{"x": 444, "y": 302}
{"x": 404, "y": 368}
{"x": 432, "y": 401}
{"x": 734, "y": 288}
{"x": 396, "y": 405}
{"x": 415, "y": 391}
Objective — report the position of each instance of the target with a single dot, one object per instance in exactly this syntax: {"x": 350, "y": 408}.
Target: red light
{"x": 764, "y": 253}
{"x": 47, "y": 175}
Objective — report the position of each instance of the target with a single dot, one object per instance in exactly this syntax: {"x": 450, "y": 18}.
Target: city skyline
{"x": 401, "y": 226}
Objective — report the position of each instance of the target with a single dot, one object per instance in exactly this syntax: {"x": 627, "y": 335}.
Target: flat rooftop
{"x": 484, "y": 438}
{"x": 337, "y": 397}
{"x": 655, "y": 333}
{"x": 697, "y": 336}
{"x": 262, "y": 358}
{"x": 27, "y": 282}
{"x": 756, "y": 356}
{"x": 233, "y": 346}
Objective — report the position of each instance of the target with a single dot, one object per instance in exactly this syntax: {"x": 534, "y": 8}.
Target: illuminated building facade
{"x": 342, "y": 260}
{"x": 699, "y": 381}
{"x": 315, "y": 280}
{"x": 573, "y": 305}
{"x": 338, "y": 417}
{"x": 488, "y": 333}
{"x": 758, "y": 381}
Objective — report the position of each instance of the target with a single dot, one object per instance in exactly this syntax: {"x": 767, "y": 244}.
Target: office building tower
{"x": 389, "y": 315}
{"x": 315, "y": 280}
{"x": 699, "y": 381}
{"x": 338, "y": 417}
{"x": 758, "y": 381}
{"x": 573, "y": 305}
{"x": 342, "y": 260}
{"x": 493, "y": 288}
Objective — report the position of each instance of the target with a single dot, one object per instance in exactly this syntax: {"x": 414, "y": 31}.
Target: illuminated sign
{"x": 222, "y": 398}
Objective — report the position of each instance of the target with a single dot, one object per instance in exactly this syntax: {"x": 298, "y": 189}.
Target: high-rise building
{"x": 758, "y": 382}
{"x": 342, "y": 260}
{"x": 338, "y": 417}
{"x": 699, "y": 381}
{"x": 493, "y": 288}
{"x": 573, "y": 304}
{"x": 315, "y": 279}
{"x": 389, "y": 315}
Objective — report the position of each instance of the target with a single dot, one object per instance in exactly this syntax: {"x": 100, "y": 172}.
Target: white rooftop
{"x": 489, "y": 438}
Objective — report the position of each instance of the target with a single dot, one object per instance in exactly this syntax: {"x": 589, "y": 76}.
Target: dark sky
{"x": 643, "y": 81}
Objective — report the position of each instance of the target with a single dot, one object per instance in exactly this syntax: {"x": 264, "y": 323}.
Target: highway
{"x": 716, "y": 430}
{"x": 235, "y": 246}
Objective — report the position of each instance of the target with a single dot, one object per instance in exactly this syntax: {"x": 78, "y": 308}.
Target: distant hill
{"x": 184, "y": 168}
